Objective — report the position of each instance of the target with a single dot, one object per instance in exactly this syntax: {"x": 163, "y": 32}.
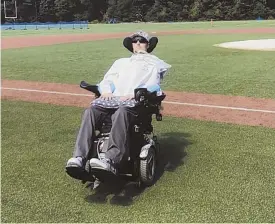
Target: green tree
{"x": 84, "y": 10}
{"x": 97, "y": 9}
{"x": 270, "y": 4}
{"x": 196, "y": 10}
{"x": 140, "y": 8}
{"x": 143, "y": 10}
{"x": 47, "y": 11}
{"x": 122, "y": 10}
{"x": 65, "y": 9}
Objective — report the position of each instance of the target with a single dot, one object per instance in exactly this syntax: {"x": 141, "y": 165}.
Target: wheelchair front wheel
{"x": 148, "y": 168}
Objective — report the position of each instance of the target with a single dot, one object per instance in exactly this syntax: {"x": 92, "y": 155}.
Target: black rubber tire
{"x": 148, "y": 168}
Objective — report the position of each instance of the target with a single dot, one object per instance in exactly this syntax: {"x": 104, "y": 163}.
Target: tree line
{"x": 138, "y": 10}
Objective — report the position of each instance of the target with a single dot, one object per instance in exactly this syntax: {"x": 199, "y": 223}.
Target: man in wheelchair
{"x": 126, "y": 98}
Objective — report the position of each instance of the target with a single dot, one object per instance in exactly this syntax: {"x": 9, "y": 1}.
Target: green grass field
{"x": 131, "y": 27}
{"x": 197, "y": 65}
{"x": 218, "y": 172}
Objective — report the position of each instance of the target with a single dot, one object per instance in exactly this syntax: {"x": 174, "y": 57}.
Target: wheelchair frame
{"x": 144, "y": 146}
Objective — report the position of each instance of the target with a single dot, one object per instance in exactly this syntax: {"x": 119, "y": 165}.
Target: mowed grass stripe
{"x": 216, "y": 172}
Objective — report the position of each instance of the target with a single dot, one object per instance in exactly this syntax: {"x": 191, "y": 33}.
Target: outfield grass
{"x": 217, "y": 172}
{"x": 197, "y": 65}
{"x": 131, "y": 27}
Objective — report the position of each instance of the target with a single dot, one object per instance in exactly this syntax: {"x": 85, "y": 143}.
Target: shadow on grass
{"x": 172, "y": 152}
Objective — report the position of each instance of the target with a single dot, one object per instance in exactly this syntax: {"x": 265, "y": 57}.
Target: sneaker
{"x": 103, "y": 164}
{"x": 75, "y": 162}
{"x": 75, "y": 169}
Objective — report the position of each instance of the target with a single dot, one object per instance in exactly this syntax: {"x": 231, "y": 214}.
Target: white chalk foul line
{"x": 221, "y": 107}
{"x": 44, "y": 91}
{"x": 166, "y": 102}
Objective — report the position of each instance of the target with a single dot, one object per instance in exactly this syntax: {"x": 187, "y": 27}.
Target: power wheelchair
{"x": 144, "y": 146}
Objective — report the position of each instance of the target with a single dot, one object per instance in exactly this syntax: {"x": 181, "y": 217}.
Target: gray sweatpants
{"x": 118, "y": 145}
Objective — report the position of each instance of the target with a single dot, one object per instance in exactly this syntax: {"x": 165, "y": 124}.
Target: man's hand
{"x": 106, "y": 96}
{"x": 125, "y": 98}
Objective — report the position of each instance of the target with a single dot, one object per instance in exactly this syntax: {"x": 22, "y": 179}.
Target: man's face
{"x": 139, "y": 43}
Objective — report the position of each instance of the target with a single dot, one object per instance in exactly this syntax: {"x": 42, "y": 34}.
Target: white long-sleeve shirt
{"x": 127, "y": 74}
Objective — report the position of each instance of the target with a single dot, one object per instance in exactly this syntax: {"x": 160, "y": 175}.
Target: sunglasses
{"x": 140, "y": 40}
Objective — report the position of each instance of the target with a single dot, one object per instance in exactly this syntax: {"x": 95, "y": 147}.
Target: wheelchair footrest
{"x": 104, "y": 176}
{"x": 79, "y": 173}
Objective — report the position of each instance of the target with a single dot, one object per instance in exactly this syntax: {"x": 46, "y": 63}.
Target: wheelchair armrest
{"x": 92, "y": 88}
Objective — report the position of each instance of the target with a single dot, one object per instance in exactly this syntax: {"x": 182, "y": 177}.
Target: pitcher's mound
{"x": 260, "y": 45}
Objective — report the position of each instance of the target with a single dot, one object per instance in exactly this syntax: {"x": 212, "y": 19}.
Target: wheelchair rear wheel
{"x": 148, "y": 168}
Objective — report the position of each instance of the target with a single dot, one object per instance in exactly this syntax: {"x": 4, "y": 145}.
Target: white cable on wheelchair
{"x": 97, "y": 149}
{"x": 100, "y": 155}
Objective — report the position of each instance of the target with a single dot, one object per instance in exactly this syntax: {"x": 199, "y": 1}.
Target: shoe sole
{"x": 79, "y": 173}
{"x": 104, "y": 175}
